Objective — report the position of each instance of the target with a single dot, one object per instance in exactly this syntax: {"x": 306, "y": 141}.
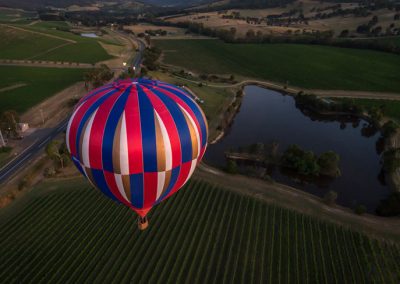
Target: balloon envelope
{"x": 137, "y": 140}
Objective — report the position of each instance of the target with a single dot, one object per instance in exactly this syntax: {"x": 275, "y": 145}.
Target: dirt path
{"x": 40, "y": 33}
{"x": 16, "y": 86}
{"x": 296, "y": 90}
{"x": 49, "y": 50}
{"x": 294, "y": 199}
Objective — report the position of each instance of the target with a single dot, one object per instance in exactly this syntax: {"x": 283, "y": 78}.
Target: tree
{"x": 303, "y": 162}
{"x": 231, "y": 167}
{"x": 250, "y": 34}
{"x": 329, "y": 163}
{"x": 330, "y": 197}
{"x": 389, "y": 128}
{"x": 360, "y": 209}
{"x": 344, "y": 33}
{"x": 98, "y": 76}
{"x": 8, "y": 121}
{"x": 58, "y": 153}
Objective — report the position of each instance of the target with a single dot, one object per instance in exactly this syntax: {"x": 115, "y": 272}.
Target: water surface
{"x": 268, "y": 116}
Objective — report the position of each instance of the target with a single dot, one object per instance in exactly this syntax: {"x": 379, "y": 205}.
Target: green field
{"x": 17, "y": 44}
{"x": 66, "y": 232}
{"x": 23, "y": 44}
{"x": 41, "y": 83}
{"x": 306, "y": 66}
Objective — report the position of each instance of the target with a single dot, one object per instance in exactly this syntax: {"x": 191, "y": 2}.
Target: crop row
{"x": 202, "y": 234}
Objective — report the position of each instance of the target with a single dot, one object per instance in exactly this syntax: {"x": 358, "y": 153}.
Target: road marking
{"x": 6, "y": 165}
{"x": 17, "y": 164}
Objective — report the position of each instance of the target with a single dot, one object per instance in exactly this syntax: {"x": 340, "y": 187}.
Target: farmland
{"x": 43, "y": 42}
{"x": 68, "y": 232}
{"x": 305, "y": 66}
{"x": 36, "y": 84}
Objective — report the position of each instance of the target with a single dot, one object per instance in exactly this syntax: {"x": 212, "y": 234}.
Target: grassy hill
{"x": 36, "y": 84}
{"x": 67, "y": 232}
{"x": 307, "y": 66}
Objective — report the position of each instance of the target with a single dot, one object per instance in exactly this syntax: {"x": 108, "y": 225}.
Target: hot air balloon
{"x": 138, "y": 141}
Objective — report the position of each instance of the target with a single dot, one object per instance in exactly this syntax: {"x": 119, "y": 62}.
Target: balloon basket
{"x": 143, "y": 223}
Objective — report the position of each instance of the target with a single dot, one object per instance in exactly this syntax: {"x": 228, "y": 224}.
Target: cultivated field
{"x": 17, "y": 44}
{"x": 305, "y": 66}
{"x": 68, "y": 232}
{"x": 43, "y": 42}
{"x": 32, "y": 85}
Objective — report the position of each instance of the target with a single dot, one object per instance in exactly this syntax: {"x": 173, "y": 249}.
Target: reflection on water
{"x": 267, "y": 116}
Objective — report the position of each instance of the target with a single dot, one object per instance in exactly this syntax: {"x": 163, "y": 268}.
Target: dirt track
{"x": 296, "y": 90}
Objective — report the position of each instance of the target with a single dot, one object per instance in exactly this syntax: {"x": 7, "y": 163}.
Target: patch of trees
{"x": 309, "y": 164}
{"x": 58, "y": 152}
{"x": 98, "y": 76}
{"x": 151, "y": 56}
{"x": 9, "y": 123}
{"x": 297, "y": 37}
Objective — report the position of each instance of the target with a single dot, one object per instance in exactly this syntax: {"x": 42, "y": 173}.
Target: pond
{"x": 268, "y": 116}
{"x": 91, "y": 35}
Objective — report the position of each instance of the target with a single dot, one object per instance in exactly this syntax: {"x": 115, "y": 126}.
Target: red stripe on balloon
{"x": 169, "y": 123}
{"x": 78, "y": 118}
{"x": 134, "y": 132}
{"x": 97, "y": 131}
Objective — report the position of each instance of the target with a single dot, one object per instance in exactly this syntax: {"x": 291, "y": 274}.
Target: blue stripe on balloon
{"x": 193, "y": 106}
{"x": 78, "y": 165}
{"x": 172, "y": 182}
{"x": 148, "y": 132}
{"x": 181, "y": 125}
{"x": 102, "y": 89}
{"x": 99, "y": 179}
{"x": 109, "y": 131}
{"x": 137, "y": 196}
{"x": 87, "y": 115}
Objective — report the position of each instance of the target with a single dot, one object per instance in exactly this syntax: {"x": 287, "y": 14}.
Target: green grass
{"x": 306, "y": 66}
{"x": 18, "y": 44}
{"x": 68, "y": 232}
{"x": 214, "y": 98}
{"x": 390, "y": 108}
{"x": 41, "y": 83}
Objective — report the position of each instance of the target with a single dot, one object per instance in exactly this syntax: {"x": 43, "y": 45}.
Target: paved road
{"x": 34, "y": 150}
{"x": 31, "y": 152}
{"x": 137, "y": 60}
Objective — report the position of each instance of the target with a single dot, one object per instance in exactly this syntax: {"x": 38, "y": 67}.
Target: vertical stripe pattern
{"x": 137, "y": 140}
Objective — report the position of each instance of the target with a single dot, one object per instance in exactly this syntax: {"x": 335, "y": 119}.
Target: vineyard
{"x": 202, "y": 235}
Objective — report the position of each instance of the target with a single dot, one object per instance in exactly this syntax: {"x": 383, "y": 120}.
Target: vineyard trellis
{"x": 203, "y": 234}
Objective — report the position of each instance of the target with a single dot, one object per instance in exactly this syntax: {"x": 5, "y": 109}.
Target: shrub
{"x": 360, "y": 209}
{"x": 330, "y": 197}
